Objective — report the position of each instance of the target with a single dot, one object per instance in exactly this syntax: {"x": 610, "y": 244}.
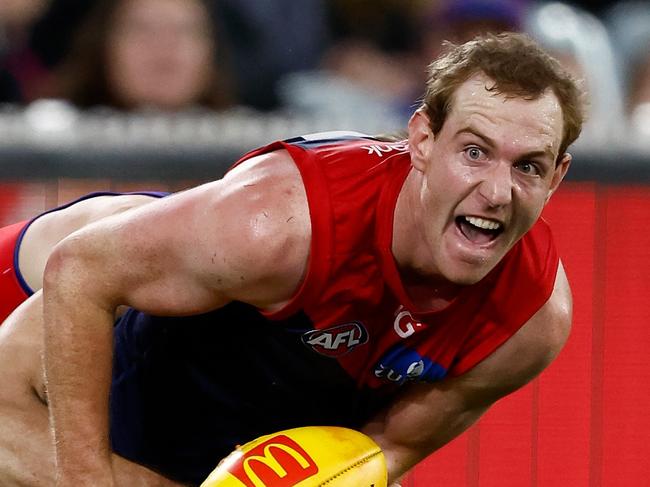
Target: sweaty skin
{"x": 495, "y": 159}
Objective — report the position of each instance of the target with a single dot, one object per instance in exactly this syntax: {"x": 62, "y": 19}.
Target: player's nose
{"x": 496, "y": 185}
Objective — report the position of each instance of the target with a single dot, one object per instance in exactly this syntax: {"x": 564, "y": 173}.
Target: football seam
{"x": 350, "y": 467}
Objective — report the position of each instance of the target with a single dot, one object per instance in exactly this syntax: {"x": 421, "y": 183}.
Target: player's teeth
{"x": 482, "y": 223}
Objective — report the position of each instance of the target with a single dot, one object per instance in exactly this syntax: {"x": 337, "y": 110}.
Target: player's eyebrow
{"x": 474, "y": 131}
{"x": 548, "y": 152}
{"x": 469, "y": 129}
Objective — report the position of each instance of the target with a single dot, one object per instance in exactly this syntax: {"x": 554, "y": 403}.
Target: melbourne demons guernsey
{"x": 353, "y": 293}
{"x": 346, "y": 343}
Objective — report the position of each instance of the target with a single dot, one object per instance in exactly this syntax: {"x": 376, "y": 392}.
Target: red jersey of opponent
{"x": 13, "y": 289}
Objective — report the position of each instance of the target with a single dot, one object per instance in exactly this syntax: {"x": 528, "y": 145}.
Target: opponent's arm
{"x": 428, "y": 416}
{"x": 244, "y": 237}
{"x": 48, "y": 230}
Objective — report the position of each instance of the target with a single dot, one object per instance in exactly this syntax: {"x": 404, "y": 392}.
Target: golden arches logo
{"x": 279, "y": 462}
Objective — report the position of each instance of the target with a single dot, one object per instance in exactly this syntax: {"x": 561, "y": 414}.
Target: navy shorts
{"x": 187, "y": 390}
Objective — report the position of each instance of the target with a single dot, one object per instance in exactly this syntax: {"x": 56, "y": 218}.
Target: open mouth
{"x": 478, "y": 230}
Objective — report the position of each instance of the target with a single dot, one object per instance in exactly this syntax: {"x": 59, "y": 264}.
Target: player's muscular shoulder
{"x": 265, "y": 228}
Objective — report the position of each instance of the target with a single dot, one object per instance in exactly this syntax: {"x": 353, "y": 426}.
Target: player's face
{"x": 484, "y": 179}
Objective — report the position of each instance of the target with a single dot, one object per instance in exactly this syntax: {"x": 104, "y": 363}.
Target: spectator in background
{"x": 366, "y": 71}
{"x": 269, "y": 39}
{"x": 640, "y": 89}
{"x": 639, "y": 99}
{"x": 134, "y": 54}
{"x": 52, "y": 34}
{"x": 377, "y": 60}
{"x": 22, "y": 73}
{"x": 629, "y": 25}
{"x": 461, "y": 20}
{"x": 641, "y": 86}
{"x": 595, "y": 7}
{"x": 377, "y": 49}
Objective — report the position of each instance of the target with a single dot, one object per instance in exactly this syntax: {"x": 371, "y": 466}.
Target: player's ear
{"x": 560, "y": 171}
{"x": 420, "y": 139}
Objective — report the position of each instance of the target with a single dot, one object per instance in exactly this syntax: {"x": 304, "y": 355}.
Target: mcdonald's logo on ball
{"x": 309, "y": 456}
{"x": 277, "y": 462}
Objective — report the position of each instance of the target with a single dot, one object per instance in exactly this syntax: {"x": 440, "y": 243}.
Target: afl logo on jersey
{"x": 337, "y": 340}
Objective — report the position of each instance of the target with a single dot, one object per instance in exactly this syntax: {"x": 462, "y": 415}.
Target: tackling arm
{"x": 427, "y": 417}
{"x": 241, "y": 238}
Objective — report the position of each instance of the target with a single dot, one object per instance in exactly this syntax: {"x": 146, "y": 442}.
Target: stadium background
{"x": 584, "y": 422}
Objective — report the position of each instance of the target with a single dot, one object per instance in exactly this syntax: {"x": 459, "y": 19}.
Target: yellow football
{"x": 311, "y": 456}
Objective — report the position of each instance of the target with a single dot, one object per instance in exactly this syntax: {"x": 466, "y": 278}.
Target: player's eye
{"x": 474, "y": 153}
{"x": 528, "y": 167}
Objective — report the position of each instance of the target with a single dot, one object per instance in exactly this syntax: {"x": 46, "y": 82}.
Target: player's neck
{"x": 429, "y": 294}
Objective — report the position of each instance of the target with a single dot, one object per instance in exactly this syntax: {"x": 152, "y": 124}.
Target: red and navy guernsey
{"x": 187, "y": 390}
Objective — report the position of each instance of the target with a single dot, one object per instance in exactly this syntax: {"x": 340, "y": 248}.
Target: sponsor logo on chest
{"x": 404, "y": 363}
{"x": 405, "y": 325}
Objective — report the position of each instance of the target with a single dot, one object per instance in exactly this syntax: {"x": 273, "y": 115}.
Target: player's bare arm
{"x": 427, "y": 417}
{"x": 48, "y": 230}
{"x": 244, "y": 238}
{"x": 26, "y": 453}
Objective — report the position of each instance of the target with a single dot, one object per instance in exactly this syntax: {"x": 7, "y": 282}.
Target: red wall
{"x": 586, "y": 420}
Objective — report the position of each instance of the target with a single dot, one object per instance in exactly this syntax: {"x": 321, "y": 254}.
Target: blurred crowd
{"x": 322, "y": 57}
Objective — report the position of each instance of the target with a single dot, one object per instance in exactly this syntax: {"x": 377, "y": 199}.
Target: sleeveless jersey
{"x": 187, "y": 390}
{"x": 13, "y": 288}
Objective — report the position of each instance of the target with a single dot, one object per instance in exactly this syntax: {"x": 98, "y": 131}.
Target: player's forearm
{"x": 406, "y": 442}
{"x": 77, "y": 361}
